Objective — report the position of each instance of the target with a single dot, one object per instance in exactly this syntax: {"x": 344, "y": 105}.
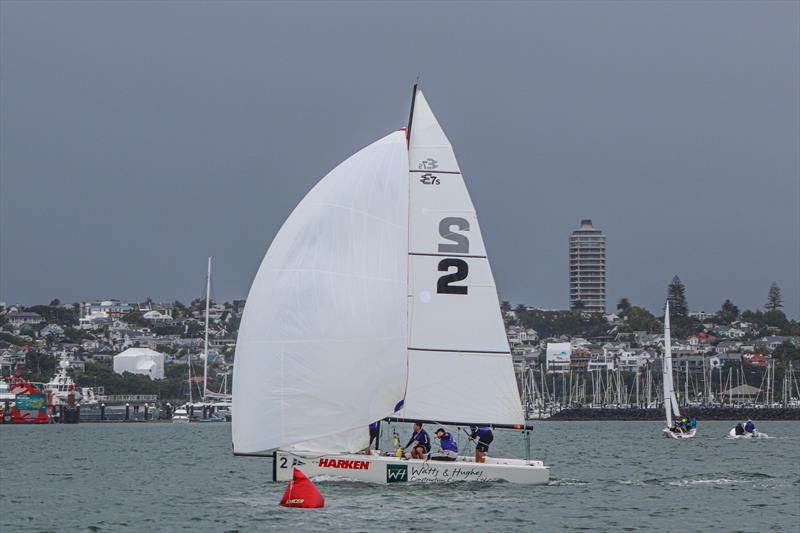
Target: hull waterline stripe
{"x": 449, "y": 255}
{"x": 458, "y": 351}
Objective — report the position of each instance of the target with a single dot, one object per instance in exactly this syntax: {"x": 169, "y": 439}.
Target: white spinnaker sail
{"x": 322, "y": 344}
{"x": 670, "y": 402}
{"x": 459, "y": 362}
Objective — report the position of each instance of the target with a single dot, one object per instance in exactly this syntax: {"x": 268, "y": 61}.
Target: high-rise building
{"x": 587, "y": 269}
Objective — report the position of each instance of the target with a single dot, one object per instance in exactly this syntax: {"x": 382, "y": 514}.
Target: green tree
{"x": 193, "y": 329}
{"x": 55, "y": 302}
{"x": 623, "y": 305}
{"x": 728, "y": 312}
{"x": 786, "y": 352}
{"x": 774, "y": 299}
{"x": 179, "y": 310}
{"x": 640, "y": 319}
{"x": 39, "y": 363}
{"x": 676, "y": 296}
{"x": 135, "y": 318}
{"x": 56, "y": 315}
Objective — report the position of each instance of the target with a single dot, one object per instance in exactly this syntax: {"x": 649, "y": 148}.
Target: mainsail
{"x": 670, "y": 402}
{"x": 322, "y": 344}
{"x": 459, "y": 362}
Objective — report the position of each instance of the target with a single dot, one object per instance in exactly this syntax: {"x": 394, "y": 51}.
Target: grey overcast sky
{"x": 138, "y": 138}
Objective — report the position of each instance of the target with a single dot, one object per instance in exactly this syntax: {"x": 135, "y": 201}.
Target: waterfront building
{"x": 587, "y": 269}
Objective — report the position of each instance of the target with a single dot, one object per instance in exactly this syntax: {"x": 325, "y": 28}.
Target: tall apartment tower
{"x": 587, "y": 269}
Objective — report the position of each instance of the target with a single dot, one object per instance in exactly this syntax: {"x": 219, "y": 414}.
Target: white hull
{"x": 382, "y": 469}
{"x": 754, "y": 435}
{"x": 680, "y": 434}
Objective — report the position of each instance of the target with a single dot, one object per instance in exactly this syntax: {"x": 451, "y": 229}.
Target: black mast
{"x": 411, "y": 114}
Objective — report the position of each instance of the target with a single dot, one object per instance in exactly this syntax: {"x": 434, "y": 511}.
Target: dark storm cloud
{"x": 139, "y": 138}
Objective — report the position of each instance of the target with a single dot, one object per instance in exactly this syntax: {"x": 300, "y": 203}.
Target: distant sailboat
{"x": 376, "y": 300}
{"x": 670, "y": 401}
{"x": 213, "y": 407}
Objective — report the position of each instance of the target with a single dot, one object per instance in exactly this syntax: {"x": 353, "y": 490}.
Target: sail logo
{"x": 396, "y": 473}
{"x": 344, "y": 463}
{"x": 429, "y": 164}
{"x": 297, "y": 462}
{"x": 429, "y": 179}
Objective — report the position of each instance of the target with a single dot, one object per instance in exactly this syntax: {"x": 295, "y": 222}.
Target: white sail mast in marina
{"x": 205, "y": 335}
{"x": 376, "y": 300}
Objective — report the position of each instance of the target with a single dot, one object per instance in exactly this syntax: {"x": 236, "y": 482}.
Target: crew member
{"x": 448, "y": 448}
{"x": 483, "y": 436}
{"x": 420, "y": 442}
{"x": 750, "y": 427}
{"x": 374, "y": 435}
{"x": 739, "y": 430}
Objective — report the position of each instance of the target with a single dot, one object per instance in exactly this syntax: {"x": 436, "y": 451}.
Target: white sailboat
{"x": 670, "y": 400}
{"x": 376, "y": 300}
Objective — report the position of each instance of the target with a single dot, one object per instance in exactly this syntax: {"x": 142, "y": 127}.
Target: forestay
{"x": 459, "y": 362}
{"x": 321, "y": 350}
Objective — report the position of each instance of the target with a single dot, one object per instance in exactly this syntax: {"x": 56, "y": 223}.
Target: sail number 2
{"x": 459, "y": 243}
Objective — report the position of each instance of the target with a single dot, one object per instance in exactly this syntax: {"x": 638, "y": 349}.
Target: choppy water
{"x": 607, "y": 476}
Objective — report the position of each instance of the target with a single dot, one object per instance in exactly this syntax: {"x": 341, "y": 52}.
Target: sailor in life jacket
{"x": 448, "y": 448}
{"x": 483, "y": 437}
{"x": 421, "y": 442}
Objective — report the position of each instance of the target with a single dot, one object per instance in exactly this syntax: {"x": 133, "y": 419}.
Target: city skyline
{"x": 134, "y": 146}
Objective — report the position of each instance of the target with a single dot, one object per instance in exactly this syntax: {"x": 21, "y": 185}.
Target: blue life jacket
{"x": 481, "y": 433}
{"x": 693, "y": 423}
{"x": 448, "y": 443}
{"x": 374, "y": 425}
{"x": 422, "y": 438}
{"x": 749, "y": 427}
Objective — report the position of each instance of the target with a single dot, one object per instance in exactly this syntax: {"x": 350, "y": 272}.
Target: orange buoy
{"x": 301, "y": 492}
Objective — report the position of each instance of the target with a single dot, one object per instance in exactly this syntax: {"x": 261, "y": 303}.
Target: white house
{"x": 140, "y": 361}
{"x": 24, "y": 317}
{"x": 156, "y": 316}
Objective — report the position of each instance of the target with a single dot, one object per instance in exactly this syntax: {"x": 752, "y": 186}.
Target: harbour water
{"x": 606, "y": 476}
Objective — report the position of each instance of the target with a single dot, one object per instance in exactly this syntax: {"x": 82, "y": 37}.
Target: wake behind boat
{"x": 376, "y": 300}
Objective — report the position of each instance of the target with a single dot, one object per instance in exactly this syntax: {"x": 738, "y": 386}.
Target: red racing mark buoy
{"x": 301, "y": 492}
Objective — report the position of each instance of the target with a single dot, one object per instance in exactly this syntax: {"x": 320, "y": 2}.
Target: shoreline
{"x": 701, "y": 413}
